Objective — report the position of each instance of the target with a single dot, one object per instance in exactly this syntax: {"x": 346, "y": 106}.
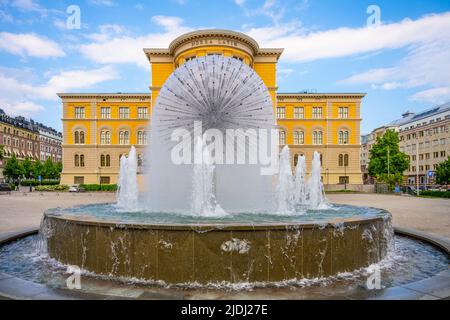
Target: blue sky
{"x": 402, "y": 63}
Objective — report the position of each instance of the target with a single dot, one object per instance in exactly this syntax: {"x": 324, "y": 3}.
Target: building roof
{"x": 409, "y": 116}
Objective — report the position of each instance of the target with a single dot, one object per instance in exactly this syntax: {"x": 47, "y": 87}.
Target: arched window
{"x": 343, "y": 160}
{"x": 105, "y": 160}
{"x": 142, "y": 137}
{"x": 79, "y": 160}
{"x": 299, "y": 137}
{"x": 343, "y": 137}
{"x": 296, "y": 156}
{"x": 105, "y": 137}
{"x": 282, "y": 137}
{"x": 79, "y": 137}
{"x": 317, "y": 137}
{"x": 124, "y": 137}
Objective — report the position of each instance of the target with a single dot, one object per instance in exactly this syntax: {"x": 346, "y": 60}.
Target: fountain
{"x": 204, "y": 201}
{"x": 315, "y": 194}
{"x": 300, "y": 181}
{"x": 127, "y": 194}
{"x": 216, "y": 214}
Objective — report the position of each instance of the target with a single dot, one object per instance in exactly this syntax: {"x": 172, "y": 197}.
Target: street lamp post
{"x": 345, "y": 176}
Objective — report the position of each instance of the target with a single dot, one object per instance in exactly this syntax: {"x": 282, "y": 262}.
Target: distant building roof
{"x": 409, "y": 116}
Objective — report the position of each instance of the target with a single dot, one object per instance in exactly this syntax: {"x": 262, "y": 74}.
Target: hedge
{"x": 437, "y": 194}
{"x": 99, "y": 187}
{"x": 59, "y": 187}
{"x": 27, "y": 183}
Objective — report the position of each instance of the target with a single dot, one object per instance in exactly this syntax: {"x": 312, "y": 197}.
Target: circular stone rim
{"x": 332, "y": 222}
{"x": 391, "y": 293}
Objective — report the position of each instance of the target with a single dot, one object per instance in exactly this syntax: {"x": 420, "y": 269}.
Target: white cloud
{"x": 239, "y": 2}
{"x": 301, "y": 46}
{"x": 104, "y": 3}
{"x": 21, "y": 97}
{"x": 425, "y": 65}
{"x": 434, "y": 95}
{"x": 29, "y": 44}
{"x": 124, "y": 49}
{"x": 25, "y": 108}
{"x": 28, "y": 5}
{"x": 6, "y": 17}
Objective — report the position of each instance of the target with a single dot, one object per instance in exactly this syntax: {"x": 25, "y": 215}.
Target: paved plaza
{"x": 24, "y": 210}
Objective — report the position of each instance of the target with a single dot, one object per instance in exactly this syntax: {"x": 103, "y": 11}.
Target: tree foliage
{"x": 443, "y": 172}
{"x": 14, "y": 169}
{"x": 387, "y": 162}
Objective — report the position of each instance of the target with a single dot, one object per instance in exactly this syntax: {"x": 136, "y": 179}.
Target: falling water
{"x": 300, "y": 191}
{"x": 127, "y": 194}
{"x": 316, "y": 195}
{"x": 222, "y": 93}
{"x": 285, "y": 185}
{"x": 204, "y": 201}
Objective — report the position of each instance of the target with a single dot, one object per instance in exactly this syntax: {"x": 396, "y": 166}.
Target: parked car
{"x": 5, "y": 187}
{"x": 76, "y": 189}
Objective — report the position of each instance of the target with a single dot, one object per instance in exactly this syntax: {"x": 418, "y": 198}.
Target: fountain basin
{"x": 217, "y": 252}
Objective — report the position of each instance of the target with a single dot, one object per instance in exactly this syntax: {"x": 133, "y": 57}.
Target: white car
{"x": 73, "y": 189}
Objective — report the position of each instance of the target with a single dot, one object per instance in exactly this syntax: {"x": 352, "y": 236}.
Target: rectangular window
{"x": 142, "y": 113}
{"x": 78, "y": 180}
{"x": 124, "y": 113}
{"x": 281, "y": 113}
{"x": 105, "y": 113}
{"x": 105, "y": 180}
{"x": 79, "y": 113}
{"x": 299, "y": 137}
{"x": 299, "y": 113}
{"x": 344, "y": 180}
{"x": 317, "y": 113}
{"x": 343, "y": 112}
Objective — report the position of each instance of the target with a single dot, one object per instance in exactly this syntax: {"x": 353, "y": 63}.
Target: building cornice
{"x": 104, "y": 95}
{"x": 233, "y": 35}
{"x": 320, "y": 95}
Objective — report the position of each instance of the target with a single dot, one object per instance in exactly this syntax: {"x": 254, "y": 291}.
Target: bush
{"x": 436, "y": 194}
{"x": 59, "y": 187}
{"x": 98, "y": 187}
{"x": 27, "y": 183}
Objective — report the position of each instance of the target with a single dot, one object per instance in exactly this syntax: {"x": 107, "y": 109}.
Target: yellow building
{"x": 98, "y": 128}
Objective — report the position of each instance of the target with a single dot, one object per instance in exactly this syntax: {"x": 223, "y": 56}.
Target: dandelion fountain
{"x": 203, "y": 220}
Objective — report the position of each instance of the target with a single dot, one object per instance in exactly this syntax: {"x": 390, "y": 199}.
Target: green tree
{"x": 58, "y": 170}
{"x": 37, "y": 169}
{"x": 27, "y": 166}
{"x": 387, "y": 162}
{"x": 443, "y": 172}
{"x": 13, "y": 168}
{"x": 2, "y": 152}
{"x": 48, "y": 169}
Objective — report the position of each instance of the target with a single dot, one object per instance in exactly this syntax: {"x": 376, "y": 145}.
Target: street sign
{"x": 430, "y": 174}
{"x": 40, "y": 178}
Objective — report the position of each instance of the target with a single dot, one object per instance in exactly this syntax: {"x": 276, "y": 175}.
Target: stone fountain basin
{"x": 215, "y": 253}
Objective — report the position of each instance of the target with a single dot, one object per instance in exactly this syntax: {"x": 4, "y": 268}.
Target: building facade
{"x": 26, "y": 138}
{"x": 111, "y": 123}
{"x": 18, "y": 137}
{"x": 51, "y": 144}
{"x": 424, "y": 137}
